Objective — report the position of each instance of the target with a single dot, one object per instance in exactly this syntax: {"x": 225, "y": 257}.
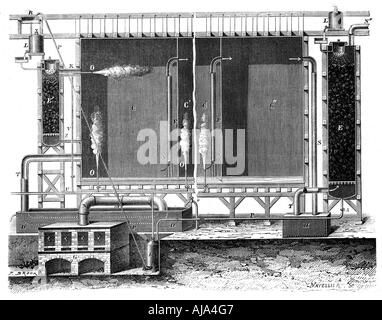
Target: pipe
{"x": 27, "y": 160}
{"x": 169, "y": 112}
{"x": 213, "y": 123}
{"x": 324, "y": 34}
{"x": 170, "y": 62}
{"x": 302, "y": 191}
{"x": 28, "y": 69}
{"x": 87, "y": 203}
{"x": 213, "y": 63}
{"x": 24, "y": 198}
{"x": 313, "y": 128}
{"x": 313, "y": 124}
{"x": 195, "y": 212}
{"x": 355, "y": 27}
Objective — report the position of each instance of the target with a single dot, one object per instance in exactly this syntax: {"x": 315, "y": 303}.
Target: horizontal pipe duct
{"x": 89, "y": 202}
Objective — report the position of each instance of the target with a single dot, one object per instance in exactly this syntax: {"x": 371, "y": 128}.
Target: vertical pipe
{"x": 83, "y": 219}
{"x": 92, "y": 27}
{"x": 169, "y": 110}
{"x": 152, "y": 217}
{"x": 195, "y": 213}
{"x": 303, "y": 24}
{"x": 117, "y": 26}
{"x": 19, "y": 27}
{"x": 211, "y": 24}
{"x": 104, "y": 27}
{"x": 166, "y": 25}
{"x": 213, "y": 63}
{"x": 325, "y": 125}
{"x": 223, "y": 25}
{"x": 185, "y": 175}
{"x": 192, "y": 25}
{"x": 141, "y": 34}
{"x": 234, "y": 25}
{"x": 155, "y": 25}
{"x": 177, "y": 95}
{"x": 205, "y": 180}
{"x": 264, "y": 33}
{"x": 24, "y": 197}
{"x": 212, "y": 91}
{"x": 313, "y": 125}
{"x": 129, "y": 26}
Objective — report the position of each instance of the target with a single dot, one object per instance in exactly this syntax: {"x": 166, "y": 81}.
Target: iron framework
{"x": 229, "y": 24}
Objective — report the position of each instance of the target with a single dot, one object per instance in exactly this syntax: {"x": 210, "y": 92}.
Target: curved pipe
{"x": 87, "y": 203}
{"x": 28, "y": 69}
{"x": 213, "y": 63}
{"x": 27, "y": 160}
{"x": 355, "y": 27}
{"x": 302, "y": 191}
{"x": 170, "y": 62}
{"x": 309, "y": 59}
{"x": 215, "y": 60}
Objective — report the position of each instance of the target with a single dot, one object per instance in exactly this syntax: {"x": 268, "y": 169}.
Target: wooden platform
{"x": 341, "y": 229}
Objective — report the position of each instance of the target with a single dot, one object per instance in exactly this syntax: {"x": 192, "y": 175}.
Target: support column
{"x": 267, "y": 208}
{"x": 232, "y": 207}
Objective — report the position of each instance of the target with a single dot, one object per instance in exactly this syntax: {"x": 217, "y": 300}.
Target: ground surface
{"x": 347, "y": 264}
